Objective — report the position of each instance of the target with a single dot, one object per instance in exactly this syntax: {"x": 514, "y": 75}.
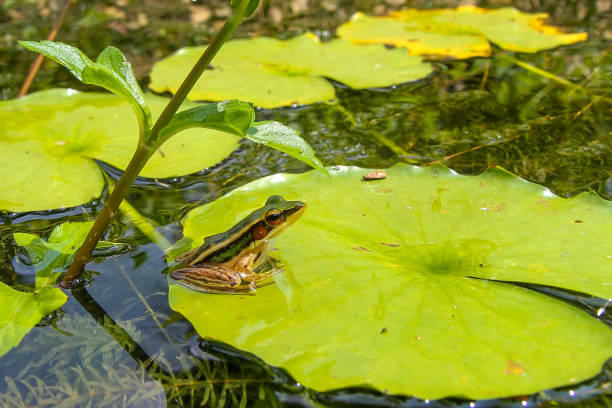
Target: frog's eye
{"x": 274, "y": 217}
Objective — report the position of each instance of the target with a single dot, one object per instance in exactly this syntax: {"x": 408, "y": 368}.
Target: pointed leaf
{"x": 64, "y": 54}
{"x": 20, "y": 311}
{"x": 377, "y": 286}
{"x": 231, "y": 116}
{"x": 112, "y": 71}
{"x": 287, "y": 140}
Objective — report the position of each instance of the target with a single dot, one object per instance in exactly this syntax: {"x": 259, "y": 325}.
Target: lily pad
{"x": 49, "y": 139}
{"x": 51, "y": 256}
{"x": 20, "y": 311}
{"x": 271, "y": 72}
{"x": 378, "y": 287}
{"x": 458, "y": 33}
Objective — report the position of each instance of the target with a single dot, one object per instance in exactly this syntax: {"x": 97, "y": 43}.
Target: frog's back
{"x": 219, "y": 248}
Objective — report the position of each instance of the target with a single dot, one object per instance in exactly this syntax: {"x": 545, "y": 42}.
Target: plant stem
{"x": 146, "y": 148}
{"x": 541, "y": 72}
{"x": 142, "y": 154}
{"x": 198, "y": 69}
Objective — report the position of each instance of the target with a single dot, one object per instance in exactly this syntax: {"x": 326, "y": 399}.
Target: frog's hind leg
{"x": 207, "y": 276}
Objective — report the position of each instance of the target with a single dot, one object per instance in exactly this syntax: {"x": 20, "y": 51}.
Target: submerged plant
{"x": 112, "y": 71}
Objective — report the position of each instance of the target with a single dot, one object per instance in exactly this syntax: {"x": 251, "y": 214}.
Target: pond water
{"x": 117, "y": 342}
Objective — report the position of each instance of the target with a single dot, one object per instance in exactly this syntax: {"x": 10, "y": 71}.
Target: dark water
{"x": 116, "y": 342}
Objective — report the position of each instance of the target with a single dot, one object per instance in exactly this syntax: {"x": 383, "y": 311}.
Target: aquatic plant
{"x": 112, "y": 71}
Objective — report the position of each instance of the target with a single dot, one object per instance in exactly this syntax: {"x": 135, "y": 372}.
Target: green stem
{"x": 541, "y": 72}
{"x": 198, "y": 69}
{"x": 148, "y": 145}
{"x": 142, "y": 154}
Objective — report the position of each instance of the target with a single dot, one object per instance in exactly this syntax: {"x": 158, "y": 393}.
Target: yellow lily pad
{"x": 378, "y": 287}
{"x": 458, "y": 33}
{"x": 270, "y": 72}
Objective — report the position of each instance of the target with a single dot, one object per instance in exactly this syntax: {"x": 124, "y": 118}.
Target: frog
{"x": 232, "y": 261}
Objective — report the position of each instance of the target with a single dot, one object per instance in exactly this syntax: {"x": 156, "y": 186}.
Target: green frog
{"x": 231, "y": 261}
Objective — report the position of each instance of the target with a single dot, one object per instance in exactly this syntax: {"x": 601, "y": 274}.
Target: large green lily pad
{"x": 20, "y": 311}
{"x": 49, "y": 139}
{"x": 377, "y": 288}
{"x": 458, "y": 33}
{"x": 272, "y": 73}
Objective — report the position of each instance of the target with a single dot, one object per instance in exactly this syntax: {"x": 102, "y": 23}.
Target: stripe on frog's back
{"x": 220, "y": 241}
{"x": 233, "y": 247}
{"x": 231, "y": 250}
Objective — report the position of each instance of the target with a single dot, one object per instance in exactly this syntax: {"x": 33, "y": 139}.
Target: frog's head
{"x": 276, "y": 216}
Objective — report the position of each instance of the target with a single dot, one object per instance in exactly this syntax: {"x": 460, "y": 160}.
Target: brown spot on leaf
{"x": 514, "y": 368}
{"x": 499, "y": 207}
{"x": 360, "y": 248}
{"x": 577, "y": 221}
{"x": 391, "y": 245}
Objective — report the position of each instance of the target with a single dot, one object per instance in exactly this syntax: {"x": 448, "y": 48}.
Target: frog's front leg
{"x": 244, "y": 267}
{"x": 203, "y": 273}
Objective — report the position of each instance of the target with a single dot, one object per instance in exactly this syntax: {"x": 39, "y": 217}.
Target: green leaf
{"x": 51, "y": 257}
{"x": 48, "y": 141}
{"x": 287, "y": 140}
{"x": 271, "y": 72}
{"x": 111, "y": 71}
{"x": 64, "y": 54}
{"x": 20, "y": 311}
{"x": 231, "y": 116}
{"x": 377, "y": 286}
{"x": 457, "y": 33}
